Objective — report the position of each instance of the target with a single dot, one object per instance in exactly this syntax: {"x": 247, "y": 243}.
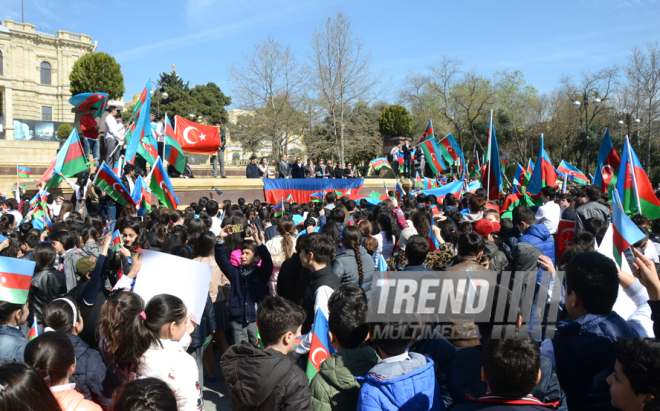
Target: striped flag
{"x": 15, "y": 279}
{"x": 626, "y": 232}
{"x": 279, "y": 209}
{"x": 23, "y": 171}
{"x": 216, "y": 190}
{"x": 289, "y": 199}
{"x": 116, "y": 241}
{"x": 34, "y": 331}
{"x": 320, "y": 347}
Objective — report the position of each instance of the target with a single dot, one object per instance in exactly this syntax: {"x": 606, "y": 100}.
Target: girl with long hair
{"x": 385, "y": 236}
{"x": 25, "y": 390}
{"x": 51, "y": 354}
{"x": 65, "y": 210}
{"x": 281, "y": 248}
{"x": 134, "y": 240}
{"x": 151, "y": 342}
{"x": 353, "y": 264}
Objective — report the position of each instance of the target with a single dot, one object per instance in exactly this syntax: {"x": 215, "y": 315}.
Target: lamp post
{"x": 576, "y": 104}
{"x": 620, "y": 123}
{"x": 637, "y": 123}
{"x": 161, "y": 94}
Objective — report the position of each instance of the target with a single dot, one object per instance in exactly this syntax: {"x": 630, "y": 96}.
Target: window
{"x": 47, "y": 113}
{"x": 0, "y": 63}
{"x": 45, "y": 73}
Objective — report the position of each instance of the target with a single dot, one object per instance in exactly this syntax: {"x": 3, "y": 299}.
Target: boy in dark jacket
{"x": 583, "y": 349}
{"x": 511, "y": 368}
{"x": 635, "y": 382}
{"x": 248, "y": 282}
{"x": 269, "y": 379}
{"x": 334, "y": 387}
{"x": 402, "y": 380}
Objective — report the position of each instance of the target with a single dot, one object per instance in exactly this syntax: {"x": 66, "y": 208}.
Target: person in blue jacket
{"x": 12, "y": 340}
{"x": 248, "y": 282}
{"x": 402, "y": 380}
{"x": 537, "y": 235}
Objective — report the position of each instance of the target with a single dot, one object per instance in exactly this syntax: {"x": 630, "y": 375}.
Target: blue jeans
{"x": 112, "y": 213}
{"x": 94, "y": 146}
{"x": 406, "y": 167}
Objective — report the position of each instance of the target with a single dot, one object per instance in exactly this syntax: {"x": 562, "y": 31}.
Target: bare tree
{"x": 269, "y": 82}
{"x": 340, "y": 73}
{"x": 445, "y": 76}
{"x": 644, "y": 71}
{"x": 474, "y": 95}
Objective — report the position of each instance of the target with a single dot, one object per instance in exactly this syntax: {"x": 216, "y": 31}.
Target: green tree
{"x": 64, "y": 131}
{"x": 179, "y": 102}
{"x": 210, "y": 102}
{"x": 97, "y": 72}
{"x": 395, "y": 121}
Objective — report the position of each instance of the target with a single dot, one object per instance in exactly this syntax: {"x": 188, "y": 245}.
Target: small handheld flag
{"x": 317, "y": 197}
{"x": 320, "y": 348}
{"x": 116, "y": 240}
{"x": 34, "y": 331}
{"x": 23, "y": 171}
{"x": 15, "y": 279}
{"x": 279, "y": 209}
{"x": 216, "y": 190}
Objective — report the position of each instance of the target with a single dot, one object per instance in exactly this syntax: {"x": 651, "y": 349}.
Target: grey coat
{"x": 284, "y": 169}
{"x": 591, "y": 209}
{"x": 345, "y": 268}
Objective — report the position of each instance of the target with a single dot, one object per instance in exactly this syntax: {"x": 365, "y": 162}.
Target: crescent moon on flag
{"x": 314, "y": 354}
{"x": 161, "y": 186}
{"x": 607, "y": 172}
{"x": 185, "y": 134}
{"x": 118, "y": 189}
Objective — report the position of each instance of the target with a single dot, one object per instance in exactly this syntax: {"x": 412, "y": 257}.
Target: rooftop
{"x": 10, "y": 25}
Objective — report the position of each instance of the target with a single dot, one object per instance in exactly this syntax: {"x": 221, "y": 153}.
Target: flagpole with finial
{"x": 490, "y": 165}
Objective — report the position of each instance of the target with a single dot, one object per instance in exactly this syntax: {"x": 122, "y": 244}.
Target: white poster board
{"x": 167, "y": 274}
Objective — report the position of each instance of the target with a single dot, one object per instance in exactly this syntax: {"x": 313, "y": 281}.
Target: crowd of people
{"x": 101, "y": 346}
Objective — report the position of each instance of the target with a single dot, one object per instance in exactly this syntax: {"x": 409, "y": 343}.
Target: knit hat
{"x": 85, "y": 265}
{"x": 485, "y": 227}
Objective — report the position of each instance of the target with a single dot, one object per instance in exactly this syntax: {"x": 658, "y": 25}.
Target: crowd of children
{"x": 101, "y": 346}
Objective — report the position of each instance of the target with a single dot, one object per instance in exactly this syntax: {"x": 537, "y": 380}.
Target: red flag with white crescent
{"x": 197, "y": 138}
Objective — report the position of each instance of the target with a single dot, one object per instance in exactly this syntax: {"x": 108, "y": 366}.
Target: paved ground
{"x": 216, "y": 396}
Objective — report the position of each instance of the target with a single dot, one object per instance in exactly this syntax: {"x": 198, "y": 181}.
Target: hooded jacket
{"x": 264, "y": 379}
{"x": 334, "y": 387}
{"x": 71, "y": 259}
{"x": 345, "y": 268}
{"x": 539, "y": 236}
{"x": 91, "y": 377}
{"x": 401, "y": 385}
{"x": 498, "y": 260}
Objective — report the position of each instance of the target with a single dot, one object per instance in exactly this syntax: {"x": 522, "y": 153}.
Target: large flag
{"x": 455, "y": 188}
{"x": 146, "y": 94}
{"x": 519, "y": 178}
{"x": 15, "y": 279}
{"x": 48, "y": 173}
{"x": 544, "y": 173}
{"x": 491, "y": 178}
{"x": 161, "y": 186}
{"x": 70, "y": 160}
{"x": 428, "y": 133}
{"x": 607, "y": 166}
{"x": 572, "y": 172}
{"x": 379, "y": 162}
{"x": 173, "y": 151}
{"x": 108, "y": 181}
{"x": 633, "y": 186}
{"x": 142, "y": 125}
{"x": 142, "y": 196}
{"x": 197, "y": 138}
{"x": 320, "y": 348}
{"x": 432, "y": 155}
{"x": 449, "y": 149}
{"x": 626, "y": 232}
{"x": 85, "y": 101}
{"x": 514, "y": 200}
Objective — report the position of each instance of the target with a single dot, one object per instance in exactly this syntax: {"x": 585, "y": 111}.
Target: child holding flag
{"x": 269, "y": 378}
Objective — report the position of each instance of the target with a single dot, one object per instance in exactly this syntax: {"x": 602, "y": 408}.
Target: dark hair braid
{"x": 358, "y": 260}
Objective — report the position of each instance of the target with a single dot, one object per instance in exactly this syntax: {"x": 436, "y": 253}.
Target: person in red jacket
{"x": 90, "y": 131}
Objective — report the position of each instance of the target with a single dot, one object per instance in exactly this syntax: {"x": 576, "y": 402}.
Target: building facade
{"x": 34, "y": 79}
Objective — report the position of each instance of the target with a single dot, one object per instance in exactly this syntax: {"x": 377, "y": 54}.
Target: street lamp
{"x": 576, "y": 105}
{"x": 620, "y": 123}
{"x": 638, "y": 122}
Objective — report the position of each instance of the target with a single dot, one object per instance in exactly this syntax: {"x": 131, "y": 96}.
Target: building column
{"x": 9, "y": 116}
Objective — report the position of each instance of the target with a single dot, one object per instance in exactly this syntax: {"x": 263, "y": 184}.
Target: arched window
{"x": 45, "y": 73}
{"x": 0, "y": 63}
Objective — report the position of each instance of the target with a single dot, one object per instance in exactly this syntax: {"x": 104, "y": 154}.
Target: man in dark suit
{"x": 567, "y": 212}
{"x": 283, "y": 168}
{"x": 252, "y": 171}
{"x": 407, "y": 150}
{"x": 298, "y": 169}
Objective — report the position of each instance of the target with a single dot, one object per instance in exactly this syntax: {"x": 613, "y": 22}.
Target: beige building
{"x": 34, "y": 79}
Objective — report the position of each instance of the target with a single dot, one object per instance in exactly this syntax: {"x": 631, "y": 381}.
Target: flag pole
{"x": 490, "y": 165}
{"x": 632, "y": 176}
{"x": 18, "y": 190}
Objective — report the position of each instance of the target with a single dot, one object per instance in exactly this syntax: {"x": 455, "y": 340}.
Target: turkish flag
{"x": 197, "y": 138}
{"x": 565, "y": 231}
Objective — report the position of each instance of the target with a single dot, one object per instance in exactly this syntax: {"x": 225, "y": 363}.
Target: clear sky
{"x": 203, "y": 37}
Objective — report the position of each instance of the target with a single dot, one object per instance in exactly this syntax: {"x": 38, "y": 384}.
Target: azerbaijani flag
{"x": 626, "y": 232}
{"x": 118, "y": 169}
{"x": 399, "y": 192}
{"x": 432, "y": 155}
{"x": 428, "y": 133}
{"x": 528, "y": 173}
{"x": 85, "y": 101}
{"x": 519, "y": 178}
{"x": 116, "y": 240}
{"x": 607, "y": 166}
{"x": 455, "y": 188}
{"x": 15, "y": 279}
{"x": 279, "y": 209}
{"x": 173, "y": 151}
{"x": 503, "y": 163}
{"x": 142, "y": 126}
{"x": 142, "y": 196}
{"x": 379, "y": 162}
{"x": 216, "y": 190}
{"x": 518, "y": 199}
{"x": 146, "y": 93}
{"x": 491, "y": 178}
{"x": 544, "y": 173}
{"x": 108, "y": 181}
{"x": 418, "y": 180}
{"x": 70, "y": 160}
{"x": 475, "y": 165}
{"x": 430, "y": 184}
{"x": 161, "y": 186}
{"x": 317, "y": 197}
{"x": 633, "y": 186}
{"x": 34, "y": 331}
{"x": 572, "y": 172}
{"x": 449, "y": 149}
{"x": 320, "y": 348}
{"x": 289, "y": 199}
{"x": 23, "y": 171}
{"x": 473, "y": 187}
